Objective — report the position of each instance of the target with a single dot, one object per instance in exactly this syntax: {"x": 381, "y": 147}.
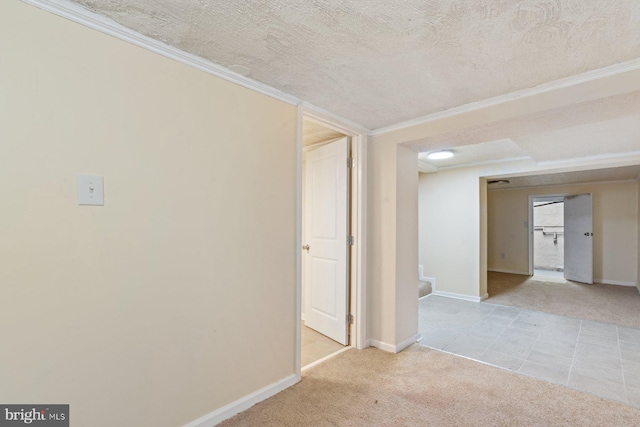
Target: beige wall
{"x": 638, "y": 254}
{"x": 176, "y": 297}
{"x": 615, "y": 228}
{"x": 407, "y": 246}
{"x": 392, "y": 245}
{"x": 454, "y": 214}
{"x": 449, "y": 226}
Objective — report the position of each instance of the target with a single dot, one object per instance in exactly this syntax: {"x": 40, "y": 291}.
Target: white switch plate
{"x": 90, "y": 190}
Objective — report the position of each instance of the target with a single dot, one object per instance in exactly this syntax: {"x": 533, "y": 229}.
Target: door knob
{"x": 306, "y": 248}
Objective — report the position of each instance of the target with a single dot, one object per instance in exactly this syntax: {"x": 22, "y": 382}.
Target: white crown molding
{"x": 80, "y": 15}
{"x": 426, "y": 167}
{"x": 612, "y": 70}
{"x": 629, "y": 158}
{"x": 486, "y": 162}
{"x": 332, "y": 121}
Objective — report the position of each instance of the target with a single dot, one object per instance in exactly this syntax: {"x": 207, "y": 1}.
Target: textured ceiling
{"x": 378, "y": 62}
{"x": 476, "y": 153}
{"x": 626, "y": 173}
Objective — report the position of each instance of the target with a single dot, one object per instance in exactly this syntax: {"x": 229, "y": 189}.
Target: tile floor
{"x": 315, "y": 346}
{"x": 599, "y": 358}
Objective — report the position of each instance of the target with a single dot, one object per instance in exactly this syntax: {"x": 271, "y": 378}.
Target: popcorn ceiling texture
{"x": 380, "y": 62}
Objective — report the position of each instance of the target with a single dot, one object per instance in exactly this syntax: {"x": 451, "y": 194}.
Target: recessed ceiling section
{"x": 616, "y": 136}
{"x": 377, "y": 62}
{"x": 625, "y": 173}
{"x": 493, "y": 151}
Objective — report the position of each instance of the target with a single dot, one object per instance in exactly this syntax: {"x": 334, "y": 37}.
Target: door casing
{"x": 358, "y": 214}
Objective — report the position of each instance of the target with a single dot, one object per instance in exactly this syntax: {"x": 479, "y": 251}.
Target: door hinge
{"x": 350, "y": 162}
{"x": 351, "y": 240}
{"x": 349, "y": 319}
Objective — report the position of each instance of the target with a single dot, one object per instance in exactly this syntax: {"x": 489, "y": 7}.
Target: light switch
{"x": 90, "y": 190}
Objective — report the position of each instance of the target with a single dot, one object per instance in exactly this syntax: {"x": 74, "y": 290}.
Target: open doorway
{"x": 329, "y": 267}
{"x": 548, "y": 237}
{"x": 561, "y": 238}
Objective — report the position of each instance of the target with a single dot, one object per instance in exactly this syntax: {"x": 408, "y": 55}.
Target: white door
{"x": 578, "y": 239}
{"x": 325, "y": 249}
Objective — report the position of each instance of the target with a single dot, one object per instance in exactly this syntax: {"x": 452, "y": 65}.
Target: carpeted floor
{"x": 374, "y": 388}
{"x": 604, "y": 303}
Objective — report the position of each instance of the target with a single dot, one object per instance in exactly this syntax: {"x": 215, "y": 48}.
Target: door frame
{"x": 358, "y": 210}
{"x": 538, "y": 198}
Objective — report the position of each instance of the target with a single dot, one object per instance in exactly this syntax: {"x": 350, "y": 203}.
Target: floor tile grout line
{"x": 624, "y": 382}
{"x": 575, "y": 350}
{"x": 526, "y": 358}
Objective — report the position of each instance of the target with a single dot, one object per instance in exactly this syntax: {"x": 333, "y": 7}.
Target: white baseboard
{"x": 390, "y": 348}
{"x": 459, "y": 296}
{"x": 423, "y": 278}
{"x": 613, "y": 282}
{"x": 244, "y": 403}
{"x": 383, "y": 346}
{"x": 499, "y": 270}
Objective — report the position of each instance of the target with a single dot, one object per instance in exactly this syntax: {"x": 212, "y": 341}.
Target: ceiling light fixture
{"x": 498, "y": 181}
{"x": 440, "y": 155}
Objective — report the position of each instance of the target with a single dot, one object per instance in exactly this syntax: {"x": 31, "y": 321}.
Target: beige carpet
{"x": 604, "y": 303}
{"x": 374, "y": 388}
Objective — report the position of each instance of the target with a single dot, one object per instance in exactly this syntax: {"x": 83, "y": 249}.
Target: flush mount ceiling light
{"x": 440, "y": 155}
{"x": 498, "y": 181}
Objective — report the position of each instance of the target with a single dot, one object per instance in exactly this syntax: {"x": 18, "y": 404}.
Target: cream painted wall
{"x": 452, "y": 215}
{"x": 407, "y": 246}
{"x": 449, "y": 223}
{"x": 615, "y": 228}
{"x": 392, "y": 240}
{"x": 452, "y": 226}
{"x": 381, "y": 240}
{"x": 176, "y": 297}
{"x": 638, "y": 257}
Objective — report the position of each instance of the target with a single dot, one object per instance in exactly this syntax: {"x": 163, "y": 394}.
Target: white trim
{"x": 298, "y": 242}
{"x": 423, "y": 278}
{"x": 566, "y": 82}
{"x": 332, "y": 120}
{"x": 500, "y": 270}
{"x": 359, "y": 249}
{"x": 244, "y": 403}
{"x": 425, "y": 167}
{"x": 459, "y": 296}
{"x": 324, "y": 359}
{"x": 521, "y": 187}
{"x": 390, "y": 348}
{"x": 591, "y": 160}
{"x": 486, "y": 162}
{"x": 613, "y": 282}
{"x": 358, "y": 294}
